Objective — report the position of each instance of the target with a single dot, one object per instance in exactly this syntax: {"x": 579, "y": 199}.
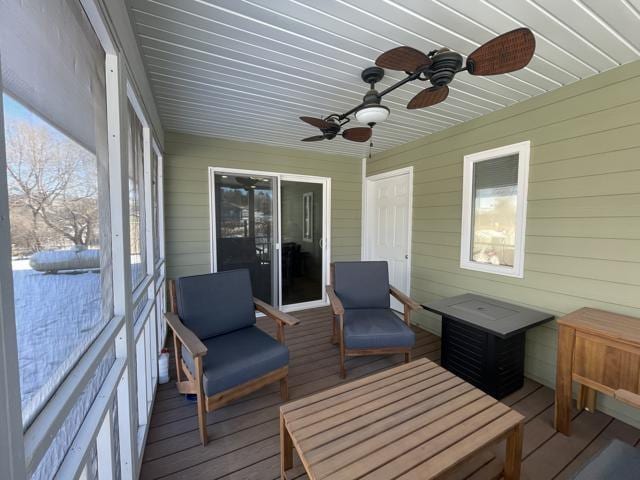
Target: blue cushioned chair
{"x": 220, "y": 353}
{"x": 364, "y": 323}
{"x": 618, "y": 460}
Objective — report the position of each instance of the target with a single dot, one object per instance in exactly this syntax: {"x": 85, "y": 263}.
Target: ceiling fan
{"x": 331, "y": 127}
{"x": 506, "y": 53}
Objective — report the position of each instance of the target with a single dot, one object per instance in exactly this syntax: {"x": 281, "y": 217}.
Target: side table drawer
{"x": 612, "y": 365}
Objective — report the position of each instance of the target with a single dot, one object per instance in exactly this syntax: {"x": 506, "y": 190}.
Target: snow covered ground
{"x": 57, "y": 317}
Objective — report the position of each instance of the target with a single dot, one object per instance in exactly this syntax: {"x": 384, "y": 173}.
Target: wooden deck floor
{"x": 244, "y": 436}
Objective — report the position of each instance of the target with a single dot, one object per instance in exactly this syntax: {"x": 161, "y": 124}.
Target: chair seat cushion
{"x": 237, "y": 357}
{"x": 376, "y": 328}
{"x": 618, "y": 461}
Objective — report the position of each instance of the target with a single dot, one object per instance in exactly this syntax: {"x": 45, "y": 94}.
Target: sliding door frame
{"x": 326, "y": 242}
{"x": 326, "y": 226}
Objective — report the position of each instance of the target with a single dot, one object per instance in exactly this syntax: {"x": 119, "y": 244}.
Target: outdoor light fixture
{"x": 372, "y": 114}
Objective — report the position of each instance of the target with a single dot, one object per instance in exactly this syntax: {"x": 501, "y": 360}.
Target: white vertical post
{"x": 141, "y": 375}
{"x": 121, "y": 257}
{"x": 161, "y": 233}
{"x": 148, "y": 202}
{"x": 104, "y": 447}
{"x": 151, "y": 358}
{"x": 363, "y": 212}
{"x": 153, "y": 341}
{"x": 11, "y": 438}
{"x": 161, "y": 203}
{"x": 152, "y": 354}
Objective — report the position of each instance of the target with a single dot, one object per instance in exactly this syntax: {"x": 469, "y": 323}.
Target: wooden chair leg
{"x": 284, "y": 388}
{"x": 407, "y": 357}
{"x": 178, "y": 354}
{"x": 202, "y": 414}
{"x": 334, "y": 333}
{"x": 343, "y": 371}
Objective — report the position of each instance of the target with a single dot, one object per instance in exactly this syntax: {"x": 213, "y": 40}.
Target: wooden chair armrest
{"x": 627, "y": 397}
{"x": 274, "y": 313}
{"x": 336, "y": 304}
{"x": 405, "y": 299}
{"x": 186, "y": 336}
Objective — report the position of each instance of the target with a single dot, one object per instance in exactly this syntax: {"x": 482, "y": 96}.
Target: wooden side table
{"x": 600, "y": 351}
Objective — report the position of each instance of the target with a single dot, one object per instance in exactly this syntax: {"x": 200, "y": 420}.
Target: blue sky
{"x": 14, "y": 110}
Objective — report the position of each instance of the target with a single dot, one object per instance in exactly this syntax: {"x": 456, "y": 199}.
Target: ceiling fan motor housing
{"x": 371, "y": 98}
{"x": 330, "y": 133}
{"x": 444, "y": 67}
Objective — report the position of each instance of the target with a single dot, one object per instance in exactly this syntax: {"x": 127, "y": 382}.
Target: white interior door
{"x": 388, "y": 213}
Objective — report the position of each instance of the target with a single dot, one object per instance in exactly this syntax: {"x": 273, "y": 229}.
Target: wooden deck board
{"x": 244, "y": 436}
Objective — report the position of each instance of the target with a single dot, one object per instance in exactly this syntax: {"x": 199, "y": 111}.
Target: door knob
{"x": 406, "y": 257}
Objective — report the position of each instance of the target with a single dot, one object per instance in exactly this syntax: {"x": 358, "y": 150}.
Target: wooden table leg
{"x": 587, "y": 399}
{"x": 513, "y": 456}
{"x": 286, "y": 449}
{"x": 566, "y": 338}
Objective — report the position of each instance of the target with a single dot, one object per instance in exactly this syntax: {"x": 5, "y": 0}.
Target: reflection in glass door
{"x": 302, "y": 256}
{"x": 246, "y": 229}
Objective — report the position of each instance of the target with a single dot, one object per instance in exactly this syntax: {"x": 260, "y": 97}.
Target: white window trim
{"x": 523, "y": 150}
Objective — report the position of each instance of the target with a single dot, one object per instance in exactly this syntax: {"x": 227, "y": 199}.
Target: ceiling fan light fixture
{"x": 372, "y": 114}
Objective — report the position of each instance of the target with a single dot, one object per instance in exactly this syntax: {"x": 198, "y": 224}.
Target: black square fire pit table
{"x": 483, "y": 340}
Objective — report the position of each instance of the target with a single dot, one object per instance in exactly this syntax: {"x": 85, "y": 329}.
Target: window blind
{"x": 496, "y": 173}
{"x": 52, "y": 63}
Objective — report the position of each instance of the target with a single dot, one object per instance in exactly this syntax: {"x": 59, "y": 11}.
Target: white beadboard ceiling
{"x": 247, "y": 69}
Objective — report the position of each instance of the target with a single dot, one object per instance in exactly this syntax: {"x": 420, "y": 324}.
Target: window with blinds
{"x": 494, "y": 204}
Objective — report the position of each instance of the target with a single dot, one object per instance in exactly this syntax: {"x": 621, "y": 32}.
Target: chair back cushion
{"x": 362, "y": 284}
{"x": 216, "y": 303}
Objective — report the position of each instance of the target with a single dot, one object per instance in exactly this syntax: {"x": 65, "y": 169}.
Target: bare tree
{"x": 54, "y": 180}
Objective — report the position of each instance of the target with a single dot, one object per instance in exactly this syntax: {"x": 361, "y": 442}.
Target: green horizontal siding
{"x": 186, "y": 185}
{"x": 583, "y": 213}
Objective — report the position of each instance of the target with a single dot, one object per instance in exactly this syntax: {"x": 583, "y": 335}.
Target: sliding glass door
{"x": 275, "y": 226}
{"x": 246, "y": 229}
{"x": 302, "y": 256}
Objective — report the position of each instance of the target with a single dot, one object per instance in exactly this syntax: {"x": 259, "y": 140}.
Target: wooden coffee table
{"x": 414, "y": 421}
